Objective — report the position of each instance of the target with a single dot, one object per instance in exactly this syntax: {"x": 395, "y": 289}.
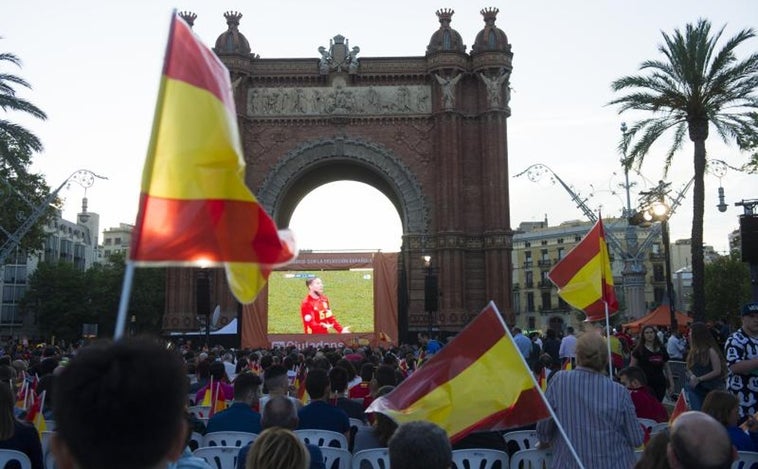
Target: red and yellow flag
{"x": 479, "y": 381}
{"x": 680, "y": 407}
{"x": 195, "y": 208}
{"x": 584, "y": 277}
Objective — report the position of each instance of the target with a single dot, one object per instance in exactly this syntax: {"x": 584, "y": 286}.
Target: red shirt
{"x": 648, "y": 406}
{"x": 317, "y": 315}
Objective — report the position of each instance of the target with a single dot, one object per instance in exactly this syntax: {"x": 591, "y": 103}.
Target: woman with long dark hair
{"x": 651, "y": 356}
{"x": 15, "y": 434}
{"x": 706, "y": 366}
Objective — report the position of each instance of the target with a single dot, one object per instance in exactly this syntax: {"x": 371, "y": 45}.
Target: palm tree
{"x": 13, "y": 135}
{"x": 695, "y": 88}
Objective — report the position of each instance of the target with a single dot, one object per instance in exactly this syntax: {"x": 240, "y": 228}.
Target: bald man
{"x": 698, "y": 441}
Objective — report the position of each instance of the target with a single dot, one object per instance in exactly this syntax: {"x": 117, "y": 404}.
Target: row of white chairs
{"x": 239, "y": 439}
{"x": 225, "y": 457}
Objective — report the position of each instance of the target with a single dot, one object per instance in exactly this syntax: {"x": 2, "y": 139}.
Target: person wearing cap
{"x": 741, "y": 352}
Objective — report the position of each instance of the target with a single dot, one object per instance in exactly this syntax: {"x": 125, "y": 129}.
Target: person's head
{"x": 278, "y": 448}
{"x": 279, "y": 411}
{"x": 632, "y": 377}
{"x": 750, "y": 318}
{"x": 420, "y": 445}
{"x": 698, "y": 441}
{"x": 550, "y": 334}
{"x": 338, "y": 379}
{"x": 701, "y": 342}
{"x": 385, "y": 376}
{"x": 348, "y": 366}
{"x": 592, "y": 352}
{"x": 218, "y": 371}
{"x": 384, "y": 427}
{"x": 367, "y": 372}
{"x": 569, "y": 330}
{"x": 120, "y": 405}
{"x": 649, "y": 336}
{"x": 654, "y": 456}
{"x": 315, "y": 286}
{"x": 275, "y": 379}
{"x": 317, "y": 384}
{"x": 246, "y": 387}
{"x": 723, "y": 406}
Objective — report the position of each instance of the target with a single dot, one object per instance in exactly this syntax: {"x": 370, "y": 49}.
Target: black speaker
{"x": 749, "y": 236}
{"x": 203, "y": 296}
{"x": 430, "y": 293}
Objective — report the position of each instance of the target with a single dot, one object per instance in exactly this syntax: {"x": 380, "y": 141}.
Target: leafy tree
{"x": 58, "y": 295}
{"x": 727, "y": 287}
{"x": 693, "y": 89}
{"x": 63, "y": 298}
{"x": 21, "y": 191}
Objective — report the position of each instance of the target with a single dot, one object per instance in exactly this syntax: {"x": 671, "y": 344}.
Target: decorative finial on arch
{"x": 233, "y": 18}
{"x": 489, "y": 14}
{"x": 445, "y": 14}
{"x": 188, "y": 17}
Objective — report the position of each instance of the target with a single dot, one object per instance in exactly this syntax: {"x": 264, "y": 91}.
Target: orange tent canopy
{"x": 660, "y": 316}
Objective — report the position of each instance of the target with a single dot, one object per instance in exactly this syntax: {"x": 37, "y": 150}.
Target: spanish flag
{"x": 195, "y": 208}
{"x": 584, "y": 277}
{"x": 479, "y": 381}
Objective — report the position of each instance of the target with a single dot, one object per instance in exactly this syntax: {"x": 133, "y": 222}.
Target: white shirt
{"x": 568, "y": 347}
{"x": 675, "y": 348}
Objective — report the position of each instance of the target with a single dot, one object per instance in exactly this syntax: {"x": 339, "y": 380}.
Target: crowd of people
{"x": 102, "y": 396}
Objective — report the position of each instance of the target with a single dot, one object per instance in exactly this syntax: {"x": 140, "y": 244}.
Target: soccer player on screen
{"x": 315, "y": 310}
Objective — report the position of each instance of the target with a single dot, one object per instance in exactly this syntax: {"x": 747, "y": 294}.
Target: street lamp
{"x": 430, "y": 291}
{"x": 653, "y": 208}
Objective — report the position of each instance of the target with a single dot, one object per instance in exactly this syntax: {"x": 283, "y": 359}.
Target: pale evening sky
{"x": 95, "y": 68}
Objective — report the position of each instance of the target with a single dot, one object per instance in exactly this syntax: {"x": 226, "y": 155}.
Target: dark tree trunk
{"x": 698, "y": 134}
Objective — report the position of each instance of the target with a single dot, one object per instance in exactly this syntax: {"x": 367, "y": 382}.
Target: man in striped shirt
{"x": 597, "y": 414}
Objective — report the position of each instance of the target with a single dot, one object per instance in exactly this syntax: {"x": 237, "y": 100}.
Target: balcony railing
{"x": 544, "y": 262}
{"x": 529, "y": 284}
{"x": 546, "y": 284}
{"x": 528, "y": 264}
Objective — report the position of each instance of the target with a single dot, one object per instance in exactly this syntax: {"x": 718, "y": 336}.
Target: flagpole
{"x": 123, "y": 305}
{"x": 608, "y": 339}
{"x": 539, "y": 390}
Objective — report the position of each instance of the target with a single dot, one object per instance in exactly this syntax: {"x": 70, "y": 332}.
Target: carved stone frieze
{"x": 356, "y": 100}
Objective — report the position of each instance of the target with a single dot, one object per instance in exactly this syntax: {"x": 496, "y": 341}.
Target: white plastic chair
{"x": 220, "y": 457}
{"x": 525, "y": 439}
{"x": 745, "y": 460}
{"x": 357, "y": 423}
{"x": 200, "y": 411}
{"x": 479, "y": 458}
{"x": 229, "y": 438}
{"x": 336, "y": 458}
{"x": 376, "y": 458}
{"x": 196, "y": 441}
{"x": 8, "y": 455}
{"x": 658, "y": 427}
{"x": 647, "y": 423}
{"x": 531, "y": 459}
{"x": 322, "y": 438}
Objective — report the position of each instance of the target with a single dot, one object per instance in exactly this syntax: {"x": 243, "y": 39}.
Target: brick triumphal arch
{"x": 429, "y": 131}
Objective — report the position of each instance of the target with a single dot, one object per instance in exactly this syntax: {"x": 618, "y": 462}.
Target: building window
{"x": 530, "y": 301}
{"x": 560, "y": 240}
{"x": 108, "y": 241}
{"x": 532, "y": 323}
{"x": 527, "y": 244}
{"x": 658, "y": 294}
{"x": 117, "y": 241}
{"x": 561, "y": 253}
{"x": 543, "y": 242}
{"x": 529, "y": 280}
{"x": 658, "y": 272}
{"x": 577, "y": 238}
{"x": 546, "y": 301}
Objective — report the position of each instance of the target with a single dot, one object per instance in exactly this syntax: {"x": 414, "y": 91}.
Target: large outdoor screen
{"x": 350, "y": 293}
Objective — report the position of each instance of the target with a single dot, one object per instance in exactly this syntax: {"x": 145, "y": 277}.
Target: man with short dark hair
{"x": 338, "y": 382}
{"x": 646, "y": 404}
{"x": 698, "y": 441}
{"x": 280, "y": 411}
{"x": 240, "y": 416}
{"x": 420, "y": 445}
{"x": 319, "y": 414}
{"x": 120, "y": 405}
{"x": 276, "y": 383}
